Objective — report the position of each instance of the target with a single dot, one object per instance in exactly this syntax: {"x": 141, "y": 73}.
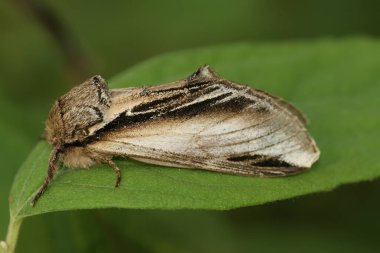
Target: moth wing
{"x": 220, "y": 126}
{"x": 294, "y": 110}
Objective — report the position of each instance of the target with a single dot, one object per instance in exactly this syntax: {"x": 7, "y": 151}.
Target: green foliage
{"x": 330, "y": 81}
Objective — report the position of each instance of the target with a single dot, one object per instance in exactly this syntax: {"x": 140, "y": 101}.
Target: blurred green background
{"x": 47, "y": 46}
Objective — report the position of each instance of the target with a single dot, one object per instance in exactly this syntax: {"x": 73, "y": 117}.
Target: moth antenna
{"x": 52, "y": 170}
{"x": 117, "y": 171}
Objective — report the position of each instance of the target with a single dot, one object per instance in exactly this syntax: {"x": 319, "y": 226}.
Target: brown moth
{"x": 201, "y": 122}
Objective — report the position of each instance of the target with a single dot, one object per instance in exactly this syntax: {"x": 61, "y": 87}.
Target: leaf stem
{"x": 13, "y": 230}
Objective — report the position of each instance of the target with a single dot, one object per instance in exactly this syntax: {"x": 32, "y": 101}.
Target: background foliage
{"x": 46, "y": 46}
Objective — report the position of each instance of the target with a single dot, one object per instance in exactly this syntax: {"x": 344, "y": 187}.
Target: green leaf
{"x": 335, "y": 83}
{"x": 326, "y": 221}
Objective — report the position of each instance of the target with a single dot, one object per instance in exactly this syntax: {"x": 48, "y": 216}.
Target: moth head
{"x": 74, "y": 113}
{"x": 54, "y": 126}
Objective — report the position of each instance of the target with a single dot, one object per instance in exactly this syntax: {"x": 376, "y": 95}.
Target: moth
{"x": 201, "y": 122}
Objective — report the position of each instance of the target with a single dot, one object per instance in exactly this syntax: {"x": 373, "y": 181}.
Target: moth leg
{"x": 106, "y": 159}
{"x": 52, "y": 170}
{"x": 117, "y": 171}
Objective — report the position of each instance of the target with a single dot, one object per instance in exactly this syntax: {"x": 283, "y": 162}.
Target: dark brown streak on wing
{"x": 273, "y": 162}
{"x": 191, "y": 85}
{"x": 198, "y": 83}
{"x": 237, "y": 104}
{"x": 259, "y": 160}
{"x": 164, "y": 104}
{"x": 196, "y": 108}
{"x": 156, "y": 103}
{"x": 244, "y": 158}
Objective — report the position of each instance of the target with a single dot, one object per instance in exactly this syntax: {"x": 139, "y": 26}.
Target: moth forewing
{"x": 201, "y": 122}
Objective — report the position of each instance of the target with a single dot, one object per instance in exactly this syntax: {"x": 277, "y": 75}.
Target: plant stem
{"x": 12, "y": 235}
